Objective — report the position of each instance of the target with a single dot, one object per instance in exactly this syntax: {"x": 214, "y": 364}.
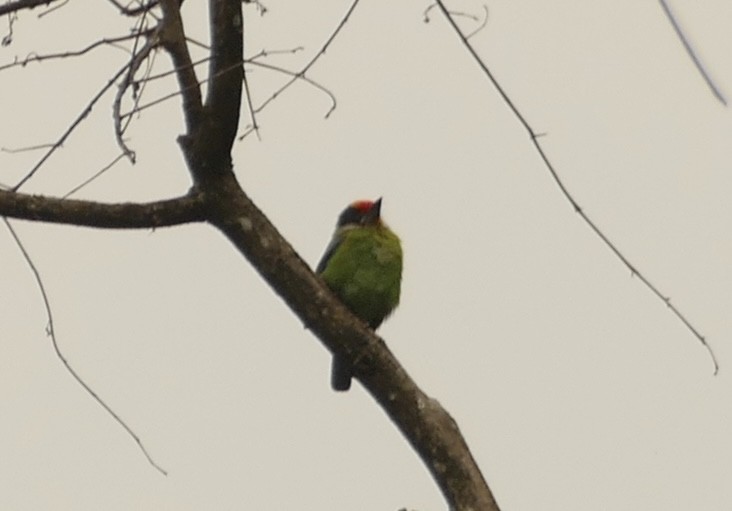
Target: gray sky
{"x": 575, "y": 387}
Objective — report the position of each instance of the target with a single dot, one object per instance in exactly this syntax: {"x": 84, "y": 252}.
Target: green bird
{"x": 363, "y": 267}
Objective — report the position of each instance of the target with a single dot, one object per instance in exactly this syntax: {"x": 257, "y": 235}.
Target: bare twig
{"x": 266, "y": 53}
{"x": 154, "y": 102}
{"x": 555, "y": 176}
{"x": 8, "y": 38}
{"x": 313, "y": 60}
{"x": 138, "y": 89}
{"x": 138, "y": 57}
{"x": 306, "y": 79}
{"x": 250, "y": 105}
{"x": 84, "y": 113}
{"x": 159, "y": 100}
{"x": 165, "y": 74}
{"x": 142, "y": 8}
{"x": 255, "y": 60}
{"x": 111, "y": 41}
{"x": 59, "y": 354}
{"x": 26, "y": 149}
{"x": 259, "y": 5}
{"x": 134, "y": 64}
{"x": 196, "y": 42}
{"x": 692, "y": 54}
{"x": 481, "y": 26}
{"x": 473, "y": 17}
{"x": 53, "y": 8}
{"x": 94, "y": 177}
{"x": 257, "y": 63}
{"x": 333, "y": 103}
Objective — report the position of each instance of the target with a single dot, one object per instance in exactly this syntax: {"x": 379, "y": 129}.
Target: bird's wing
{"x": 332, "y": 246}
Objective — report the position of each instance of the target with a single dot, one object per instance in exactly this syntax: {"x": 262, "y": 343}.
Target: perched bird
{"x": 363, "y": 267}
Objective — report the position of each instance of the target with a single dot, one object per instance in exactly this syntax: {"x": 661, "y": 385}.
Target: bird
{"x": 362, "y": 265}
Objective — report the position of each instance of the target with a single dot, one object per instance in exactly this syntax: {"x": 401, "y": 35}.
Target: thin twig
{"x": 53, "y": 8}
{"x": 52, "y": 334}
{"x": 138, "y": 89}
{"x": 26, "y": 149}
{"x": 304, "y": 78}
{"x": 296, "y": 75}
{"x": 138, "y": 57}
{"x": 255, "y": 61}
{"x": 94, "y": 177}
{"x": 7, "y": 39}
{"x": 33, "y": 57}
{"x": 426, "y": 14}
{"x": 555, "y": 176}
{"x": 84, "y": 113}
{"x": 143, "y": 8}
{"x": 247, "y": 91}
{"x": 481, "y": 26}
{"x": 250, "y": 105}
{"x": 313, "y": 60}
{"x": 259, "y": 6}
{"x": 173, "y": 71}
{"x": 196, "y": 42}
{"x": 692, "y": 54}
{"x": 267, "y": 53}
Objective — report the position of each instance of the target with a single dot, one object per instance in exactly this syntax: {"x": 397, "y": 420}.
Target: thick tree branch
{"x": 164, "y": 213}
{"x": 226, "y": 71}
{"x": 211, "y": 129}
{"x": 426, "y": 425}
{"x": 19, "y": 5}
{"x": 218, "y": 199}
{"x": 207, "y": 148}
{"x": 173, "y": 39}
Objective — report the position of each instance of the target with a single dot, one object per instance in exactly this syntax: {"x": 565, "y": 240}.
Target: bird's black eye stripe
{"x": 350, "y": 216}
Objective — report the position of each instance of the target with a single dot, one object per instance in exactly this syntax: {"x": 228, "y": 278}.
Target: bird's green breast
{"x": 365, "y": 271}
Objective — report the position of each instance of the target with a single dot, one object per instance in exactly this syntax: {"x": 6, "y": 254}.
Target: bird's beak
{"x": 374, "y": 213}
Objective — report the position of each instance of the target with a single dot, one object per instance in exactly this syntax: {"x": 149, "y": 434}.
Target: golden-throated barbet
{"x": 363, "y": 267}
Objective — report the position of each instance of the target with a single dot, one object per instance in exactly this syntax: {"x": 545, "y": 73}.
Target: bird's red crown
{"x": 362, "y": 206}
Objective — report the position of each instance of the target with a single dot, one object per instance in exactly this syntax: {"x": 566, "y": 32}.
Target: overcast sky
{"x": 575, "y": 387}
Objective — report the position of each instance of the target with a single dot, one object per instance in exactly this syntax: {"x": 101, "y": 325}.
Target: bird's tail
{"x": 341, "y": 372}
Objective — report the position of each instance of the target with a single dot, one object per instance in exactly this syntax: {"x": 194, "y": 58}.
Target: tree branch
{"x": 691, "y": 53}
{"x": 173, "y": 39}
{"x": 19, "y": 5}
{"x": 426, "y": 425}
{"x": 312, "y": 61}
{"x": 211, "y": 129}
{"x": 218, "y": 199}
{"x": 568, "y": 195}
{"x": 51, "y": 331}
{"x": 164, "y": 213}
{"x": 135, "y": 11}
{"x": 75, "y": 124}
{"x": 226, "y": 72}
